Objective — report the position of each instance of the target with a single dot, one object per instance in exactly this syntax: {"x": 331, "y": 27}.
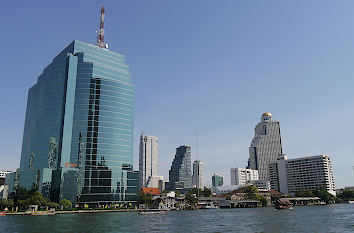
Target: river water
{"x": 328, "y": 218}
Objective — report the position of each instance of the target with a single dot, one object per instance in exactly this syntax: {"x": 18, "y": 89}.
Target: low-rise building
{"x": 240, "y": 176}
{"x": 263, "y": 185}
{"x": 220, "y": 190}
{"x": 3, "y": 176}
{"x": 310, "y": 173}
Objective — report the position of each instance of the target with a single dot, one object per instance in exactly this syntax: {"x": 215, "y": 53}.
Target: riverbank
{"x": 81, "y": 211}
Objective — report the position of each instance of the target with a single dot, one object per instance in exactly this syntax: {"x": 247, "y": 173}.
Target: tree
{"x": 251, "y": 192}
{"x": 23, "y": 203}
{"x": 53, "y": 205}
{"x": 191, "y": 199}
{"x": 304, "y": 193}
{"x": 10, "y": 203}
{"x": 323, "y": 194}
{"x": 65, "y": 203}
{"x": 346, "y": 195}
{"x": 263, "y": 201}
{"x": 145, "y": 198}
{"x": 6, "y": 203}
{"x": 206, "y": 192}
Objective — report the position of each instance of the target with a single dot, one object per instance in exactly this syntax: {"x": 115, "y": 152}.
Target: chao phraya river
{"x": 328, "y": 218}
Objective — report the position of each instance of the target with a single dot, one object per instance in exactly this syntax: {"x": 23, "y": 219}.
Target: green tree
{"x": 65, "y": 203}
{"x": 38, "y": 199}
{"x": 10, "y": 203}
{"x": 346, "y": 195}
{"x": 206, "y": 192}
{"x": 23, "y": 204}
{"x": 191, "y": 199}
{"x": 323, "y": 194}
{"x": 145, "y": 198}
{"x": 251, "y": 192}
{"x": 6, "y": 203}
{"x": 304, "y": 193}
{"x": 263, "y": 201}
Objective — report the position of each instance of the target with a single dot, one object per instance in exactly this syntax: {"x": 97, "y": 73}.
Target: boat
{"x": 281, "y": 207}
{"x": 39, "y": 213}
{"x": 351, "y": 201}
{"x": 152, "y": 211}
{"x": 2, "y": 213}
{"x": 283, "y": 203}
{"x": 212, "y": 206}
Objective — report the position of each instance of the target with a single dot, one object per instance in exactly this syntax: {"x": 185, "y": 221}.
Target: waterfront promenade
{"x": 321, "y": 218}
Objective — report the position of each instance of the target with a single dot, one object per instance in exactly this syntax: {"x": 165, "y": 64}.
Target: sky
{"x": 205, "y": 66}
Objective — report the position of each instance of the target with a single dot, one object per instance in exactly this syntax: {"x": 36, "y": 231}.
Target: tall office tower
{"x": 241, "y": 176}
{"x": 290, "y": 175}
{"x": 266, "y": 145}
{"x": 148, "y": 160}
{"x": 217, "y": 180}
{"x": 180, "y": 174}
{"x": 78, "y": 134}
{"x": 197, "y": 178}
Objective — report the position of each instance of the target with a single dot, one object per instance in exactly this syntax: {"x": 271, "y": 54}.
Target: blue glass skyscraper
{"x": 78, "y": 134}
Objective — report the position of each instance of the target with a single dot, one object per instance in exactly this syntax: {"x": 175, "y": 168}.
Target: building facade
{"x": 217, "y": 180}
{"x": 3, "y": 176}
{"x": 266, "y": 145}
{"x": 197, "y": 178}
{"x": 148, "y": 161}
{"x": 309, "y": 173}
{"x": 240, "y": 176}
{"x": 180, "y": 174}
{"x": 78, "y": 134}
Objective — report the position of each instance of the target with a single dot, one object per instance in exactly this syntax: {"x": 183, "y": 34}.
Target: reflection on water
{"x": 329, "y": 218}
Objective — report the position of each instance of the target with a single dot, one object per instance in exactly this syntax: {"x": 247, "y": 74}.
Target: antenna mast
{"x": 100, "y": 33}
{"x": 197, "y": 145}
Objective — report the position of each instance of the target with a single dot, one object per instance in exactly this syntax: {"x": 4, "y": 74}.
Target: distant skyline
{"x": 207, "y": 66}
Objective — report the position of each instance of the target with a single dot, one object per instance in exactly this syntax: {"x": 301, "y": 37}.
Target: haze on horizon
{"x": 206, "y": 66}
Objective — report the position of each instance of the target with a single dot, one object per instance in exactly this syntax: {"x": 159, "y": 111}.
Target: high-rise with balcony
{"x": 148, "y": 161}
{"x": 309, "y": 173}
{"x": 266, "y": 145}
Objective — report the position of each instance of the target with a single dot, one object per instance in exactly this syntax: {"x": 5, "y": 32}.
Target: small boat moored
{"x": 152, "y": 211}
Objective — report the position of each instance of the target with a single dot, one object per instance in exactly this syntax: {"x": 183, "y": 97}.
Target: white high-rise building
{"x": 241, "y": 176}
{"x": 148, "y": 161}
{"x": 266, "y": 145}
{"x": 310, "y": 173}
{"x": 197, "y": 177}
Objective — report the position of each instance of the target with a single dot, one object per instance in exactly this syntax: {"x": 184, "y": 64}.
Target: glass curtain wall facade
{"x": 79, "y": 125}
{"x": 180, "y": 174}
{"x": 217, "y": 180}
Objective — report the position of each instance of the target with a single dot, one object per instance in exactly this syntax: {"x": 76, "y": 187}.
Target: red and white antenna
{"x": 100, "y": 33}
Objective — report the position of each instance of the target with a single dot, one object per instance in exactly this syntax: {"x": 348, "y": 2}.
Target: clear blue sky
{"x": 212, "y": 66}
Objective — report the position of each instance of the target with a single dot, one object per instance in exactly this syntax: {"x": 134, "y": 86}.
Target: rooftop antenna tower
{"x": 197, "y": 145}
{"x": 100, "y": 32}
